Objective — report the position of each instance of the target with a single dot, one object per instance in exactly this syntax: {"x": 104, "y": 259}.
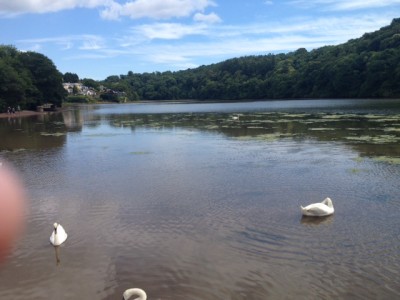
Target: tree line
{"x": 365, "y": 67}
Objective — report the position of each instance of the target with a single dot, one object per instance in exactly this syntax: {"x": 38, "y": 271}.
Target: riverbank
{"x": 22, "y": 113}
{"x": 28, "y": 113}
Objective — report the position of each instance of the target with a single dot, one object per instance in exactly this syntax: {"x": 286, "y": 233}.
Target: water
{"x": 186, "y": 202}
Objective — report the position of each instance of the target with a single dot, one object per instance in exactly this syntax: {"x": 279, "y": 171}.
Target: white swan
{"x": 135, "y": 292}
{"x": 325, "y": 208}
{"x": 58, "y": 235}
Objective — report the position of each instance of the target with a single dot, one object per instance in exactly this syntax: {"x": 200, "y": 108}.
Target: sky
{"x": 99, "y": 38}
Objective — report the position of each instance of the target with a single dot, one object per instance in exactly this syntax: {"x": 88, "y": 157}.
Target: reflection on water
{"x": 57, "y": 254}
{"x": 306, "y": 220}
{"x": 187, "y": 202}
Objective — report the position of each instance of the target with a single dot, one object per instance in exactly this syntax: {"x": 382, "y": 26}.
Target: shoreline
{"x": 22, "y": 113}
{"x": 27, "y": 113}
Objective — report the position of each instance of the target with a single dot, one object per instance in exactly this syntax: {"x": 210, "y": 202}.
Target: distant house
{"x": 69, "y": 87}
{"x": 82, "y": 89}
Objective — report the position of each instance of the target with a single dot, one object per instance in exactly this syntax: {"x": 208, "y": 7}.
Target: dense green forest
{"x": 365, "y": 67}
{"x": 28, "y": 79}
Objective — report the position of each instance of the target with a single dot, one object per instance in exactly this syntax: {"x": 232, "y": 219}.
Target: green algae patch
{"x": 388, "y": 159}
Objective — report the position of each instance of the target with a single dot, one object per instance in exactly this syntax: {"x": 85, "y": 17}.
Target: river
{"x": 202, "y": 201}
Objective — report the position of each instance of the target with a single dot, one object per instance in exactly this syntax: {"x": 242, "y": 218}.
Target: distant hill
{"x": 367, "y": 67}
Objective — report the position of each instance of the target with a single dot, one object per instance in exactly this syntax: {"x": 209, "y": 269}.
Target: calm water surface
{"x": 187, "y": 202}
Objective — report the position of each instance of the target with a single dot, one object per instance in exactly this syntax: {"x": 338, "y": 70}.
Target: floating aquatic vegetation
{"x": 13, "y": 150}
{"x": 381, "y": 120}
{"x": 52, "y": 133}
{"x": 340, "y": 117}
{"x": 358, "y": 159}
{"x": 394, "y": 129}
{"x": 312, "y": 121}
{"x": 272, "y": 136}
{"x": 379, "y": 139}
{"x": 211, "y": 127}
{"x": 388, "y": 159}
{"x": 371, "y": 116}
{"x": 295, "y": 115}
{"x": 139, "y": 152}
{"x": 356, "y": 171}
{"x": 321, "y": 129}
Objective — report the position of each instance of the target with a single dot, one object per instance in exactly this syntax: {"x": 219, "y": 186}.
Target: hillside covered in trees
{"x": 28, "y": 79}
{"x": 367, "y": 67}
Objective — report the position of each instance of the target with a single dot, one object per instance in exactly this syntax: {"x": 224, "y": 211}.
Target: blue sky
{"x": 99, "y": 38}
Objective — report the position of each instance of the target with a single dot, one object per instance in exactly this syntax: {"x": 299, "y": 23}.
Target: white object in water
{"x": 135, "y": 292}
{"x": 325, "y": 208}
{"x": 58, "y": 235}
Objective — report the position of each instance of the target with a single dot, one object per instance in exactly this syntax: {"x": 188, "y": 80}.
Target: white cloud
{"x": 362, "y": 4}
{"x": 168, "y": 31}
{"x": 91, "y": 44}
{"x": 210, "y": 18}
{"x": 156, "y": 9}
{"x": 15, "y": 7}
{"x": 342, "y": 5}
{"x": 83, "y": 42}
{"x": 110, "y": 9}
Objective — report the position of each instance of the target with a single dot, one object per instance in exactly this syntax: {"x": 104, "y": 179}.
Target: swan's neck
{"x": 328, "y": 202}
{"x": 135, "y": 292}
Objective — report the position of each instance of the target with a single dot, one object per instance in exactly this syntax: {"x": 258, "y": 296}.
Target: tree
{"x": 75, "y": 90}
{"x": 90, "y": 83}
{"x": 45, "y": 76}
{"x": 70, "y": 77}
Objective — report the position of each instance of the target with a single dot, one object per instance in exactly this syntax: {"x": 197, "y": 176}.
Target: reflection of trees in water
{"x": 38, "y": 132}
